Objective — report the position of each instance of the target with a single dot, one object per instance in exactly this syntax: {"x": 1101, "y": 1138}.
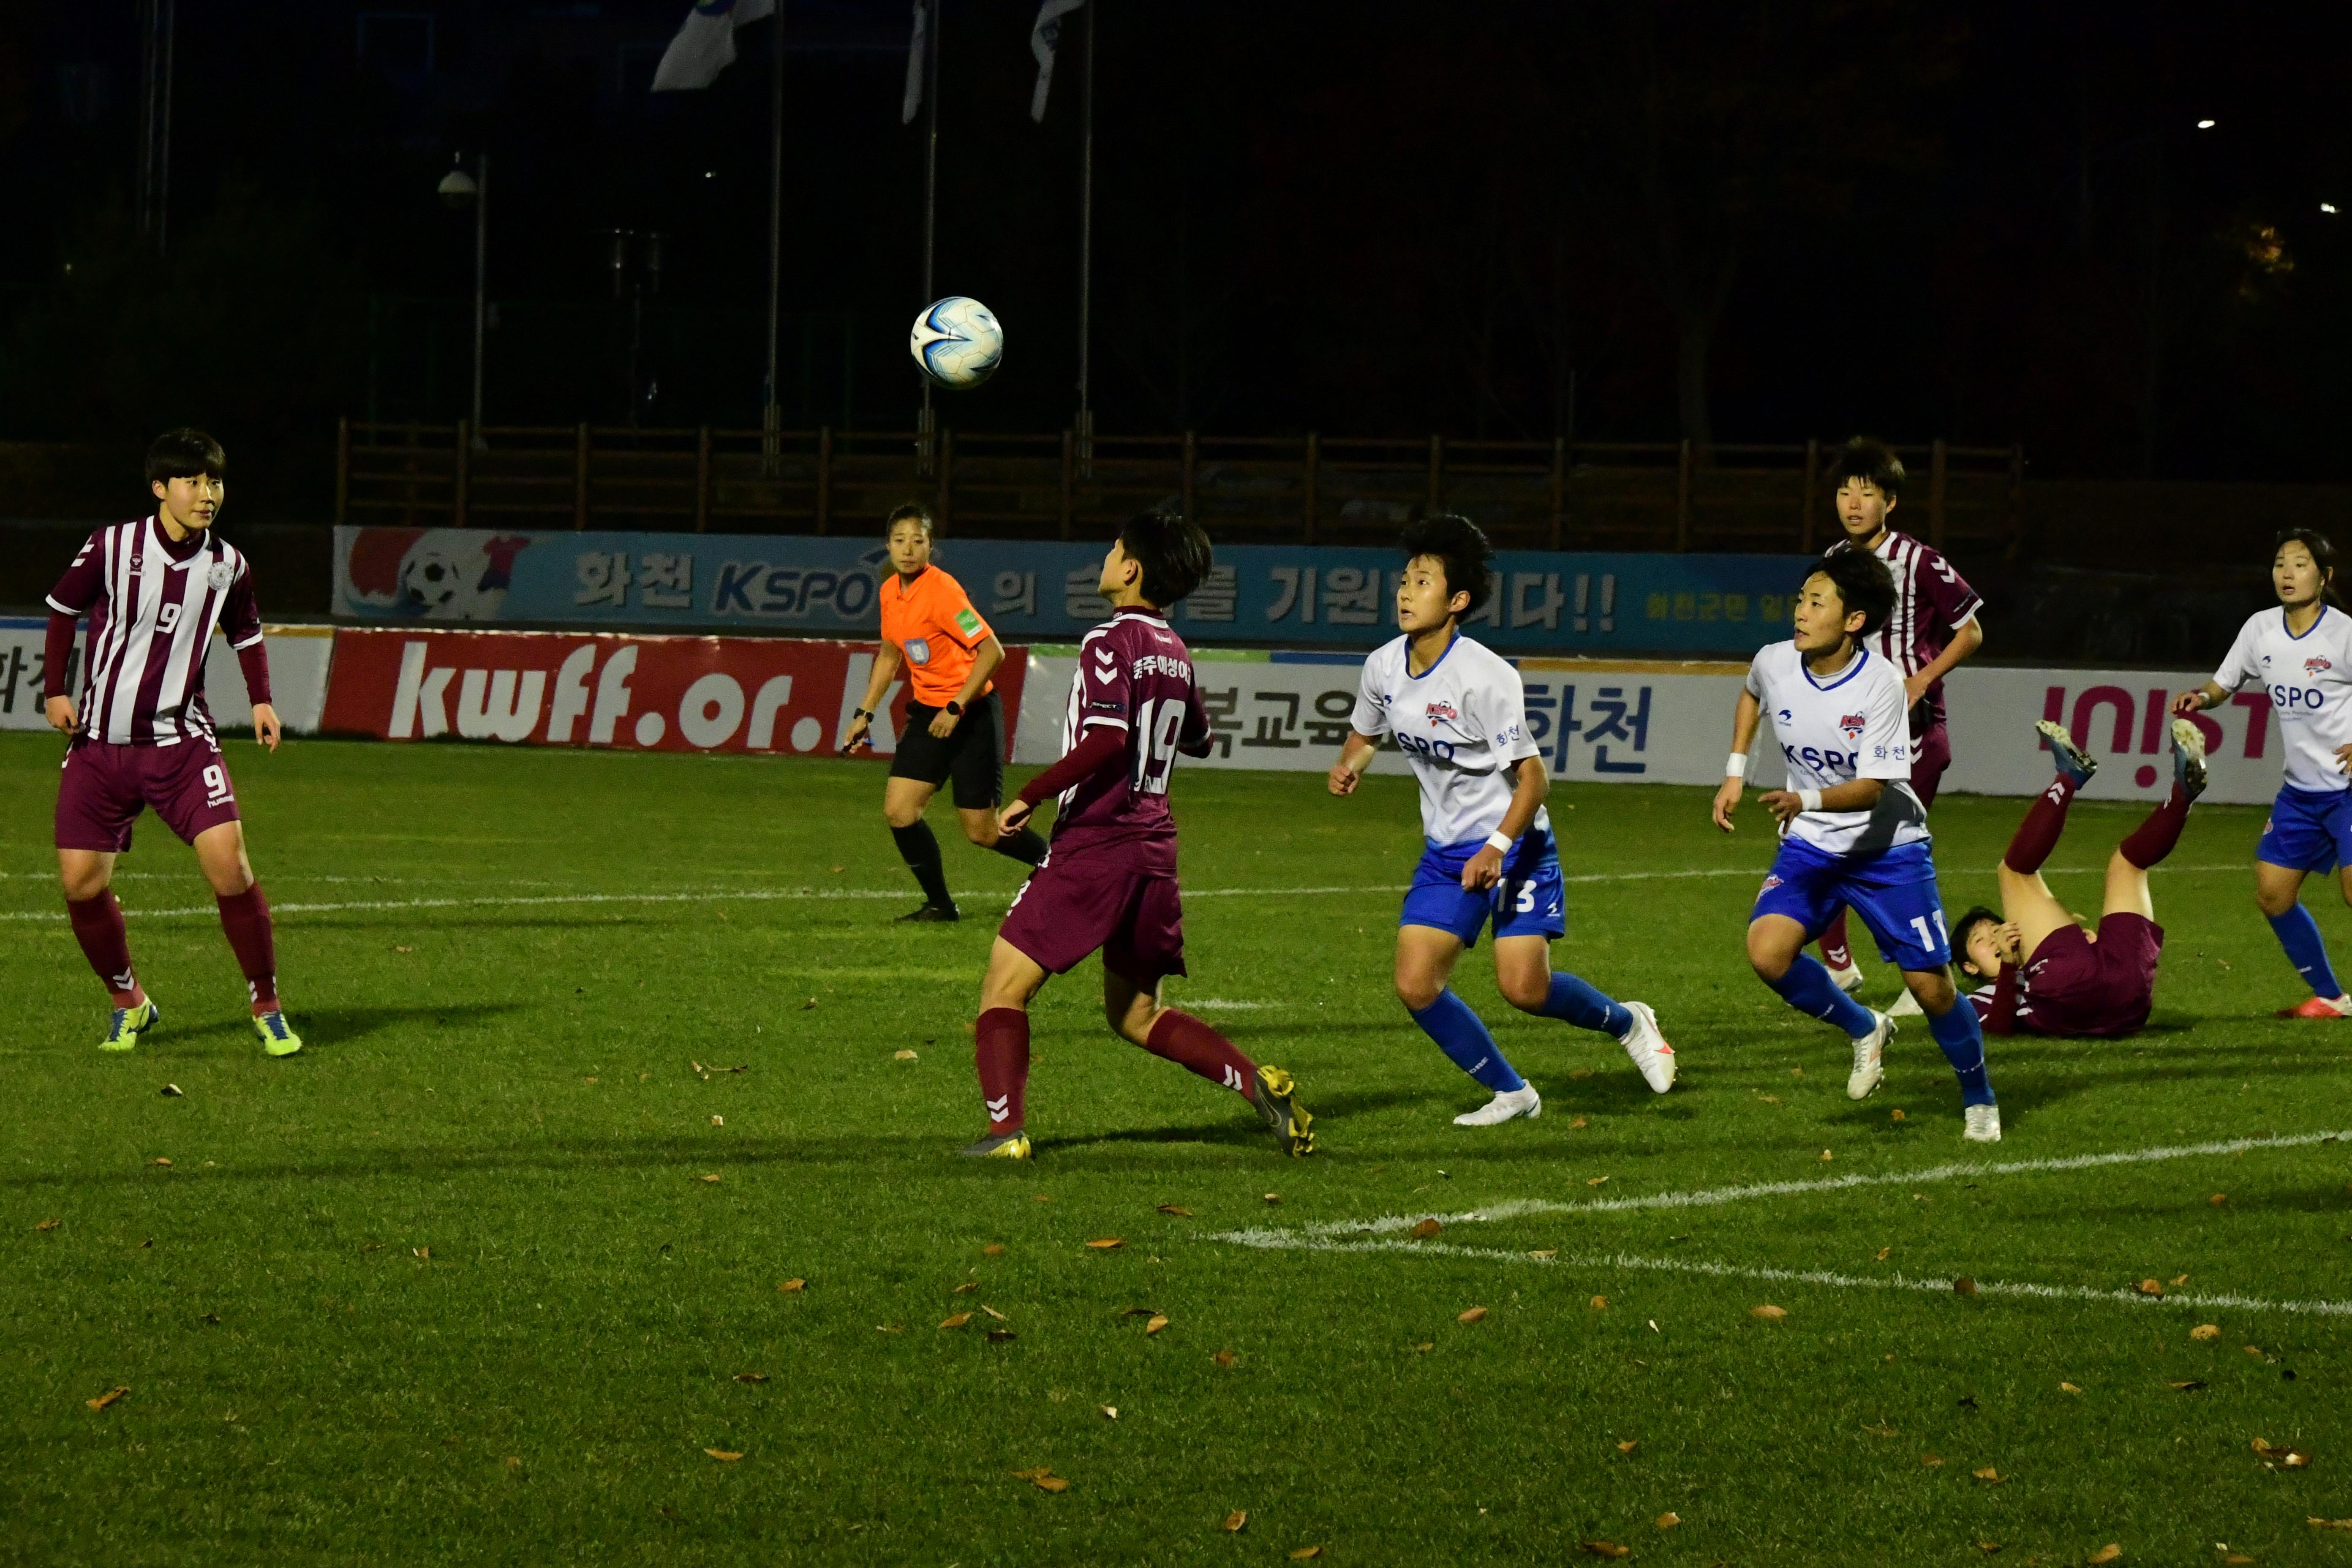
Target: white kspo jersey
{"x": 2309, "y": 678}
{"x": 1851, "y": 725}
{"x": 1462, "y": 722}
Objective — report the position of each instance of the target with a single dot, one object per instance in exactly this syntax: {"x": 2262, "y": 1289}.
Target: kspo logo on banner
{"x": 654, "y": 693}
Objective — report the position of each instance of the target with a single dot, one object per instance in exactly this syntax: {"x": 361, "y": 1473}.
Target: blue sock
{"x": 1577, "y": 1003}
{"x": 1460, "y": 1035}
{"x": 1808, "y": 988}
{"x": 2299, "y": 935}
{"x": 1963, "y": 1042}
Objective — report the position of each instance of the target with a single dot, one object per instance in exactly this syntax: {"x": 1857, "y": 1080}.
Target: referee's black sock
{"x": 921, "y": 853}
{"x": 1028, "y": 845}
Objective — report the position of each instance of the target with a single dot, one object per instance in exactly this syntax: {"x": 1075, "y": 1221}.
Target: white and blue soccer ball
{"x": 956, "y": 341}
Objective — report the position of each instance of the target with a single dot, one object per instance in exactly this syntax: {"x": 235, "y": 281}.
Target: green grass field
{"x": 507, "y": 964}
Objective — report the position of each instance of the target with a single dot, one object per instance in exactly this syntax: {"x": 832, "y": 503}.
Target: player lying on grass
{"x": 1854, "y": 834}
{"x": 2049, "y": 974}
{"x": 2301, "y": 655}
{"x": 154, "y": 589}
{"x": 1458, "y": 714}
{"x": 955, "y": 721}
{"x": 1108, "y": 880}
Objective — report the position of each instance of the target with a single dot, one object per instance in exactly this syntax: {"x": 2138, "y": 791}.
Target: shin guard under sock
{"x": 1188, "y": 1042}
{"x": 2299, "y": 935}
{"x": 1027, "y": 846}
{"x": 97, "y": 926}
{"x": 920, "y": 851}
{"x": 2038, "y": 834}
{"x": 245, "y": 917}
{"x": 1574, "y": 1001}
{"x": 2153, "y": 839}
{"x": 1835, "y": 951}
{"x": 1001, "y": 1052}
{"x": 1809, "y": 988}
{"x": 1962, "y": 1040}
{"x": 1460, "y": 1034}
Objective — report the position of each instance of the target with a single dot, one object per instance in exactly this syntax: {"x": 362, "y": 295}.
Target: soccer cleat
{"x": 2189, "y": 758}
{"x": 1870, "y": 1058}
{"x": 1981, "y": 1124}
{"x": 929, "y": 915}
{"x": 2073, "y": 760}
{"x": 1507, "y": 1104}
{"x": 2312, "y": 1007}
{"x": 1849, "y": 979}
{"x": 1277, "y": 1102}
{"x": 276, "y": 1038}
{"x": 1648, "y": 1048}
{"x": 130, "y": 1023}
{"x": 1012, "y": 1146}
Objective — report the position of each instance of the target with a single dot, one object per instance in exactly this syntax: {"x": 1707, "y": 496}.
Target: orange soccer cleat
{"x": 2319, "y": 1007}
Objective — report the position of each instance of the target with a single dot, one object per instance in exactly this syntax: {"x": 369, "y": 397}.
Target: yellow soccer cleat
{"x": 130, "y": 1023}
{"x": 276, "y": 1038}
{"x": 1284, "y": 1116}
{"x": 1012, "y": 1146}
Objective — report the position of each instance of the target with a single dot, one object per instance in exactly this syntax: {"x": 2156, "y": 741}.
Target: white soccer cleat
{"x": 1982, "y": 1124}
{"x": 1870, "y": 1058}
{"x": 1508, "y": 1103}
{"x": 1648, "y": 1048}
{"x": 1849, "y": 979}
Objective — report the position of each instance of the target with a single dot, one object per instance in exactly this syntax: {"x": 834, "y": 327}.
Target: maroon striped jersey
{"x": 153, "y": 605}
{"x": 1134, "y": 673}
{"x": 1932, "y": 601}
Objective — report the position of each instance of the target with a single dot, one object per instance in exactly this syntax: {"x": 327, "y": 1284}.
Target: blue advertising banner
{"x": 1036, "y": 592}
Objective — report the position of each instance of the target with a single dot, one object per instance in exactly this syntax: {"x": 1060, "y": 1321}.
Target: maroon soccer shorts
{"x": 104, "y": 787}
{"x": 1931, "y": 753}
{"x": 2097, "y": 989}
{"x": 1066, "y": 910}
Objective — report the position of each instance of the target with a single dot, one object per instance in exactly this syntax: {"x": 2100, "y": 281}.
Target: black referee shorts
{"x": 972, "y": 755}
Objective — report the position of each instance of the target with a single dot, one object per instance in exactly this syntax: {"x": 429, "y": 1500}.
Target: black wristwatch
{"x": 955, "y": 709}
{"x": 863, "y": 712}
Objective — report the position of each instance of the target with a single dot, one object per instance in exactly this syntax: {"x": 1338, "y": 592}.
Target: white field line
{"x": 2202, "y": 1301}
{"x": 718, "y": 895}
{"x": 1711, "y": 1197}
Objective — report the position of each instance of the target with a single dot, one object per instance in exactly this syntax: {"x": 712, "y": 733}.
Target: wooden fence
{"x": 1309, "y": 488}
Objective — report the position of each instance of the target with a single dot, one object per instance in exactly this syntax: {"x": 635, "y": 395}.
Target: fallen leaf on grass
{"x": 2206, "y": 1332}
{"x": 998, "y": 1336}
{"x": 2068, "y": 1388}
{"x": 1596, "y": 1181}
{"x": 1038, "y": 1473}
{"x": 1668, "y": 1519}
{"x": 1225, "y": 1358}
{"x": 1769, "y": 1313}
{"x": 2328, "y": 1523}
{"x": 712, "y": 1176}
{"x": 1179, "y": 1210}
{"x": 1629, "y": 1445}
{"x": 723, "y": 1456}
{"x": 956, "y": 1322}
{"x": 1425, "y": 1230}
{"x": 2151, "y": 1286}
{"x": 1989, "y": 1547}
{"x": 514, "y": 1461}
{"x": 751, "y": 1377}
{"x": 1052, "y": 1484}
{"x": 964, "y": 1289}
{"x": 993, "y": 1249}
{"x": 1895, "y": 1115}
{"x": 809, "y": 1004}
{"x": 1826, "y": 1155}
{"x": 1579, "y": 1125}
{"x": 49, "y": 1225}
{"x": 211, "y": 1317}
{"x": 1236, "y": 1520}
{"x": 1425, "y": 1347}
{"x": 1770, "y": 1098}
{"x": 1881, "y": 1430}
{"x": 2218, "y": 1199}
{"x": 1304, "y": 1552}
{"x": 108, "y": 1397}
{"x": 172, "y": 1091}
{"x": 399, "y": 949}
{"x": 1883, "y": 1253}
{"x": 424, "y": 1252}
{"x": 1154, "y": 1325}
{"x": 903, "y": 1056}
{"x": 791, "y": 1287}
{"x": 1601, "y": 1303}
{"x": 1579, "y": 1072}
{"x": 1105, "y": 1243}
{"x": 2189, "y": 1385}
{"x": 1545, "y": 1252}
{"x": 718, "y": 1121}
{"x": 2235, "y": 1560}
{"x": 1931, "y": 1461}
{"x": 1474, "y": 1315}
{"x": 1964, "y": 1286}
{"x": 2180, "y": 1279}
{"x": 1605, "y": 1549}
{"x": 1988, "y": 1475}
{"x": 1276, "y": 1198}
{"x": 2106, "y": 1553}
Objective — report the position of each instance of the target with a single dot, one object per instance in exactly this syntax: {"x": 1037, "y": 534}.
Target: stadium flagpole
{"x": 1086, "y": 253}
{"x": 771, "y": 418}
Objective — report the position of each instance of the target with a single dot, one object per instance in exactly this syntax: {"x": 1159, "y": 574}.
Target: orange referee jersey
{"x": 936, "y": 629}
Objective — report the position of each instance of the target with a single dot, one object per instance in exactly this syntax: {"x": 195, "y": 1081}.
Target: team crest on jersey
{"x": 1769, "y": 883}
{"x": 1851, "y": 724}
{"x": 1441, "y": 709}
{"x": 222, "y": 574}
{"x": 2314, "y": 664}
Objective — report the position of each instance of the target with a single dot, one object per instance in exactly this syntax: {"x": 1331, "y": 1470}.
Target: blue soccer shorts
{"x": 1528, "y": 900}
{"x": 2309, "y": 830}
{"x": 1892, "y": 890}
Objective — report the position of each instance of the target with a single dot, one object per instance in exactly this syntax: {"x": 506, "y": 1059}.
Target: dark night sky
{"x": 1993, "y": 222}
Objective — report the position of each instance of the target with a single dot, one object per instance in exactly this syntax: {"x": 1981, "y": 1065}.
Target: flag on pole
{"x": 916, "y": 50}
{"x": 706, "y": 45}
{"x": 1044, "y": 39}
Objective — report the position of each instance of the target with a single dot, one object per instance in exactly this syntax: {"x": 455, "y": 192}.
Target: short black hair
{"x": 1461, "y": 545}
{"x": 183, "y": 454}
{"x": 1865, "y": 458}
{"x": 913, "y": 509}
{"x": 1863, "y": 583}
{"x": 1172, "y": 551}
{"x": 1963, "y": 926}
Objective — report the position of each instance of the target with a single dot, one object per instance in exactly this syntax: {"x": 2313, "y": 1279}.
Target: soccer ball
{"x": 956, "y": 341}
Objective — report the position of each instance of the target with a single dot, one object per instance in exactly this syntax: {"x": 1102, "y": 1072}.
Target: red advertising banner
{"x": 646, "y": 693}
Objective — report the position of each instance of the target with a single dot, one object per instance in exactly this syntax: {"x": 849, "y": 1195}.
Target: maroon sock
{"x": 246, "y": 918}
{"x": 97, "y": 926}
{"x": 1188, "y": 1042}
{"x": 1833, "y": 944}
{"x": 2038, "y": 834}
{"x": 1001, "y": 1054}
{"x": 2152, "y": 840}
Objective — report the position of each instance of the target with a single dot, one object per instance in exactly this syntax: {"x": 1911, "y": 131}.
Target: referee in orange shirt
{"x": 955, "y": 721}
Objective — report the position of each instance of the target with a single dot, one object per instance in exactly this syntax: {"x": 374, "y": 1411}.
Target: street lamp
{"x": 460, "y": 190}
